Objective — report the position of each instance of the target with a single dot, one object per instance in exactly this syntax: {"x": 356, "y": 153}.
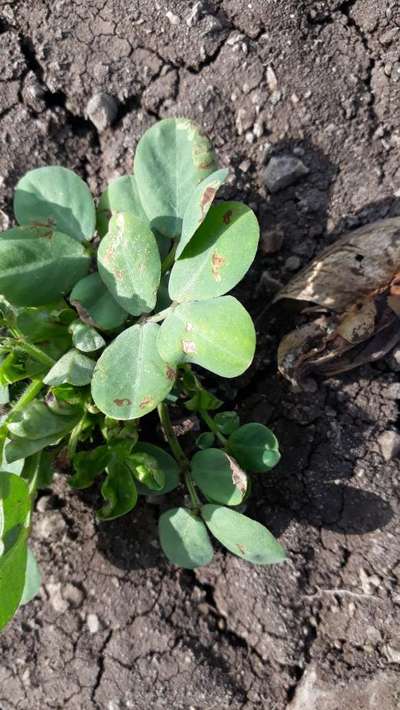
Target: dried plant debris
{"x": 350, "y": 305}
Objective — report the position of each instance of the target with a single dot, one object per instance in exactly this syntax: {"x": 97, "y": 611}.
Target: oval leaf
{"x": 36, "y": 421}
{"x": 85, "y": 337}
{"x": 198, "y": 206}
{"x": 255, "y": 447}
{"x": 130, "y": 378}
{"x": 95, "y": 305}
{"x": 73, "y": 368}
{"x": 184, "y": 538}
{"x": 171, "y": 159}
{"x": 129, "y": 263}
{"x": 166, "y": 463}
{"x": 19, "y": 448}
{"x": 218, "y": 256}
{"x": 88, "y": 465}
{"x": 38, "y": 265}
{"x": 244, "y": 537}
{"x": 217, "y": 334}
{"x": 57, "y": 198}
{"x": 33, "y": 579}
{"x": 121, "y": 195}
{"x": 219, "y": 477}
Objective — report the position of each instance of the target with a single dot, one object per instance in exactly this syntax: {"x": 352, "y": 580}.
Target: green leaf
{"x": 205, "y": 440}
{"x": 37, "y": 421}
{"x": 46, "y": 470}
{"x": 129, "y": 263}
{"x": 14, "y": 512}
{"x": 219, "y": 477}
{"x": 255, "y": 447}
{"x": 56, "y": 197}
{"x": 171, "y": 159}
{"x": 33, "y": 579}
{"x": 18, "y": 366}
{"x": 217, "y": 334}
{"x": 130, "y": 378}
{"x": 121, "y": 195}
{"x": 73, "y": 368}
{"x": 147, "y": 471}
{"x": 166, "y": 463}
{"x": 4, "y": 395}
{"x": 88, "y": 465}
{"x": 244, "y": 537}
{"x": 19, "y": 448}
{"x": 38, "y": 325}
{"x": 184, "y": 538}
{"x": 198, "y": 206}
{"x": 118, "y": 490}
{"x": 15, "y": 467}
{"x": 85, "y": 338}
{"x": 227, "y": 422}
{"x": 218, "y": 256}
{"x": 38, "y": 265}
{"x": 95, "y": 305}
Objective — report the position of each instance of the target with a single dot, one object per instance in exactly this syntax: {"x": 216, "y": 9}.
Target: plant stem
{"x": 178, "y": 453}
{"x": 213, "y": 427}
{"x": 74, "y": 437}
{"x": 159, "y": 316}
{"x": 30, "y": 393}
{"x": 35, "y": 352}
{"x": 169, "y": 260}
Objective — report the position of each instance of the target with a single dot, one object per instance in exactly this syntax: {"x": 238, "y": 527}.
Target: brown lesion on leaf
{"x": 218, "y": 262}
{"x": 83, "y": 314}
{"x": 45, "y": 230}
{"x": 239, "y": 478}
{"x": 171, "y": 373}
{"x": 146, "y": 402}
{"x": 188, "y": 347}
{"x": 119, "y": 275}
{"x": 206, "y": 200}
{"x": 122, "y": 402}
{"x": 241, "y": 548}
{"x": 227, "y": 216}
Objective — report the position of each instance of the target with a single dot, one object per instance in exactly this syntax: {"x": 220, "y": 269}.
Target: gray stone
{"x": 73, "y": 594}
{"x": 293, "y": 263}
{"x": 282, "y": 171}
{"x": 102, "y": 110}
{"x": 389, "y": 444}
{"x": 93, "y": 623}
{"x": 195, "y": 14}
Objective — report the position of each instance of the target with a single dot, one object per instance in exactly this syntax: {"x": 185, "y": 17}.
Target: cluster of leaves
{"x": 97, "y": 334}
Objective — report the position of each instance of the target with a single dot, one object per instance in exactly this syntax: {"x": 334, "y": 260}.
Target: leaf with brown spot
{"x": 219, "y": 476}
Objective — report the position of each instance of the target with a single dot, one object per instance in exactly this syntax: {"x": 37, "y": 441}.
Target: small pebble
{"x": 102, "y": 110}
{"x": 283, "y": 171}
{"x": 93, "y": 623}
{"x": 293, "y": 263}
{"x": 389, "y": 444}
{"x": 174, "y": 19}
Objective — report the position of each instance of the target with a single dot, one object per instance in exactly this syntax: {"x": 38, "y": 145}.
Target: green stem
{"x": 169, "y": 260}
{"x": 35, "y": 352}
{"x": 213, "y": 427}
{"x": 158, "y": 316}
{"x": 74, "y": 437}
{"x": 178, "y": 453}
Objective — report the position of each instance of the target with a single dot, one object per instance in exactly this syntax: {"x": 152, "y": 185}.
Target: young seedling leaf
{"x": 118, "y": 490}
{"x": 166, "y": 463}
{"x": 217, "y": 334}
{"x": 244, "y": 537}
{"x": 57, "y": 198}
{"x": 227, "y": 422}
{"x": 121, "y": 195}
{"x": 88, "y": 465}
{"x": 184, "y": 538}
{"x": 37, "y": 421}
{"x": 219, "y": 477}
{"x": 14, "y": 511}
{"x": 95, "y": 304}
{"x": 15, "y": 467}
{"x": 73, "y": 368}
{"x": 147, "y": 471}
{"x": 219, "y": 254}
{"x": 33, "y": 579}
{"x": 130, "y": 378}
{"x": 255, "y": 447}
{"x": 198, "y": 206}
{"x": 39, "y": 265}
{"x": 19, "y": 448}
{"x": 129, "y": 263}
{"x": 171, "y": 159}
{"x": 85, "y": 338}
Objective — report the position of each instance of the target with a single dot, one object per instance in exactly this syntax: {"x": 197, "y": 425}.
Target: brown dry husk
{"x": 350, "y": 297}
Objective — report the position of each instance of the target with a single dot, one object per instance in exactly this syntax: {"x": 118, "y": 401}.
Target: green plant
{"x": 94, "y": 340}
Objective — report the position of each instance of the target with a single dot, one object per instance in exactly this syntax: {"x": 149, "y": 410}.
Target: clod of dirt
{"x": 283, "y": 171}
{"x": 389, "y": 444}
{"x": 102, "y": 110}
{"x": 354, "y": 288}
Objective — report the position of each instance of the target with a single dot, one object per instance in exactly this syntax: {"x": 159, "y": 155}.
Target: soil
{"x": 116, "y": 627}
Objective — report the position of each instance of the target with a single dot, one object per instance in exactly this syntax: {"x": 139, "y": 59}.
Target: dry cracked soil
{"x": 115, "y": 626}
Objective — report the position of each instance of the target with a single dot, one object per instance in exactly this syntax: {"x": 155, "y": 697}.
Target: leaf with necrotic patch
{"x": 95, "y": 304}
